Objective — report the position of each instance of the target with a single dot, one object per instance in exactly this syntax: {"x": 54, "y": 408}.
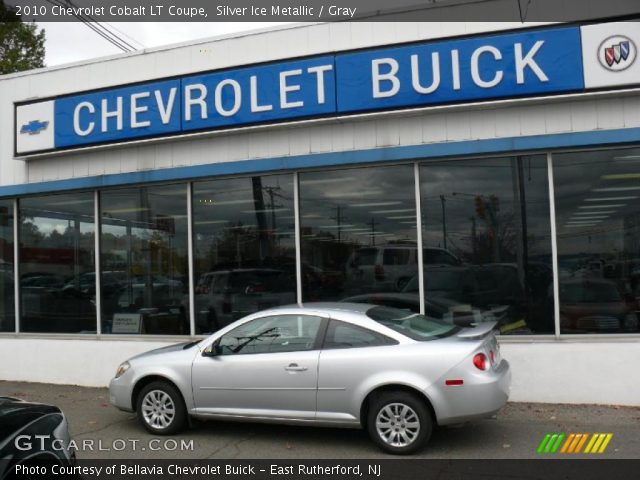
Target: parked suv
{"x": 232, "y": 294}
{"x": 390, "y": 267}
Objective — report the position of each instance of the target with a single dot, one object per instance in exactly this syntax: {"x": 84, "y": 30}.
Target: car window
{"x": 432, "y": 256}
{"x": 345, "y": 335}
{"x": 395, "y": 256}
{"x": 365, "y": 256}
{"x": 413, "y": 325}
{"x": 277, "y": 333}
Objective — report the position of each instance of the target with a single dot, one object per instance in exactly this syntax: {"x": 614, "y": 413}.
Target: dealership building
{"x": 153, "y": 197}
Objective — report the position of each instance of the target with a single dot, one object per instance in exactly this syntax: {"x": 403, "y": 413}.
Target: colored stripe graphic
{"x": 573, "y": 443}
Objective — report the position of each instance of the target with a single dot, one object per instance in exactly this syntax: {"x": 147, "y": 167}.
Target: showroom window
{"x": 598, "y": 231}
{"x": 358, "y": 234}
{"x": 144, "y": 260}
{"x": 57, "y": 263}
{"x": 7, "y": 296}
{"x": 244, "y": 248}
{"x": 487, "y": 243}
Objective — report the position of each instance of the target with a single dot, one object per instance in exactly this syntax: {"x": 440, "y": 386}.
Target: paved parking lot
{"x": 107, "y": 433}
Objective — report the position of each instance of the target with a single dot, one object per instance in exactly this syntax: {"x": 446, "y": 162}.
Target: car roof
{"x": 329, "y": 307}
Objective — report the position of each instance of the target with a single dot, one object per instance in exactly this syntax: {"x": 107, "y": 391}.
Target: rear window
{"x": 413, "y": 325}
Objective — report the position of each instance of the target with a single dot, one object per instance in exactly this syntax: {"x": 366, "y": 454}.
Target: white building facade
{"x": 154, "y": 197}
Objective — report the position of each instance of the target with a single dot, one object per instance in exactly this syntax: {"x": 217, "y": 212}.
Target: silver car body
{"x": 326, "y": 387}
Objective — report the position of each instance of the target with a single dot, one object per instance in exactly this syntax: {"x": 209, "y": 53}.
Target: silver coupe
{"x": 393, "y": 372}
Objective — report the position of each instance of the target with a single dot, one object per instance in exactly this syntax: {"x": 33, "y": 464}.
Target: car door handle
{"x": 294, "y": 367}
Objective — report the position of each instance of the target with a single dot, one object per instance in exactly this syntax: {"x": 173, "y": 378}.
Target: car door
{"x": 267, "y": 367}
{"x": 350, "y": 355}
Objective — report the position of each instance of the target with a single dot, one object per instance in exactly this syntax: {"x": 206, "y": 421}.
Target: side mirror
{"x": 213, "y": 350}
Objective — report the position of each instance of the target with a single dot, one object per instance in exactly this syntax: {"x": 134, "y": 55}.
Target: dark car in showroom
{"x": 32, "y": 434}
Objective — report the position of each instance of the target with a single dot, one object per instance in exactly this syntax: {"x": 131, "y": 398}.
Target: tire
{"x": 160, "y": 409}
{"x": 399, "y": 422}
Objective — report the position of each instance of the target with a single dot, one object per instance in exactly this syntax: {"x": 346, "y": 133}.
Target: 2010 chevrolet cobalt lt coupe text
{"x": 393, "y": 372}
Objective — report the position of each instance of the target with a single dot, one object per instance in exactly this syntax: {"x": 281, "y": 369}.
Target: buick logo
{"x": 617, "y": 53}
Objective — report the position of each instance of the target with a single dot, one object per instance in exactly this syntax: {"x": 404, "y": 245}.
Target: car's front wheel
{"x": 399, "y": 422}
{"x": 160, "y": 409}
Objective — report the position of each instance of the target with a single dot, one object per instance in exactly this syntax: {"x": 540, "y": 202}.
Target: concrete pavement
{"x": 102, "y": 432}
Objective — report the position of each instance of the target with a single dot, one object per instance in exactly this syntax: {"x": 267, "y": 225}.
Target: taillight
{"x": 480, "y": 361}
{"x": 379, "y": 272}
{"x": 492, "y": 357}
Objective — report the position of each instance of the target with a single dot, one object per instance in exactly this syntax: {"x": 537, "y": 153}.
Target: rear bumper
{"x": 481, "y": 396}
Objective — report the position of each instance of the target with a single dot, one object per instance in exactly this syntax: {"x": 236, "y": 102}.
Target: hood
{"x": 170, "y": 348}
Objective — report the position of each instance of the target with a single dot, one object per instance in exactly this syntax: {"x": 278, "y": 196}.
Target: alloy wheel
{"x": 158, "y": 409}
{"x": 397, "y": 424}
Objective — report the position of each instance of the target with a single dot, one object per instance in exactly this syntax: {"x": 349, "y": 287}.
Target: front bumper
{"x": 120, "y": 394}
{"x": 481, "y": 396}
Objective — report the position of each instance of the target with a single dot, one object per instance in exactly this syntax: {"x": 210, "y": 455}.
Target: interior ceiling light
{"x": 210, "y": 222}
{"x": 614, "y": 205}
{"x": 609, "y": 199}
{"x": 595, "y": 213}
{"x": 209, "y": 201}
{"x": 616, "y": 189}
{"x": 266, "y": 210}
{"x": 621, "y": 176}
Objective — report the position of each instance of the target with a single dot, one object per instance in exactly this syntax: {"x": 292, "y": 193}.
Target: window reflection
{"x": 144, "y": 260}
{"x": 492, "y": 215}
{"x": 56, "y": 257}
{"x": 244, "y": 248}
{"x": 7, "y": 296}
{"x": 598, "y": 228}
{"x": 358, "y": 233}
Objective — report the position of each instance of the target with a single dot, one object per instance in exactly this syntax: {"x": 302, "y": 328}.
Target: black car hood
{"x": 16, "y": 413}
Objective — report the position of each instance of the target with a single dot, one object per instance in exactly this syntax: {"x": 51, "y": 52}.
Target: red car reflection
{"x": 595, "y": 305}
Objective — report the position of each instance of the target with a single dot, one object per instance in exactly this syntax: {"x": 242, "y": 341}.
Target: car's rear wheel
{"x": 399, "y": 422}
{"x": 160, "y": 409}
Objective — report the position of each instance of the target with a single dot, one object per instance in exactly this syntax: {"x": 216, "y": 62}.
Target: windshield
{"x": 413, "y": 325}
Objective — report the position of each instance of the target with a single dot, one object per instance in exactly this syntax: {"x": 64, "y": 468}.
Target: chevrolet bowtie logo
{"x": 34, "y": 127}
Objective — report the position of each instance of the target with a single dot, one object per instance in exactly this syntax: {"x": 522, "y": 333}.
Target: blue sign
{"x": 499, "y": 66}
{"x": 259, "y": 94}
{"x": 145, "y": 110}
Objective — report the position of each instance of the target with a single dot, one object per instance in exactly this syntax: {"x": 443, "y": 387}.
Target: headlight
{"x": 122, "y": 368}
